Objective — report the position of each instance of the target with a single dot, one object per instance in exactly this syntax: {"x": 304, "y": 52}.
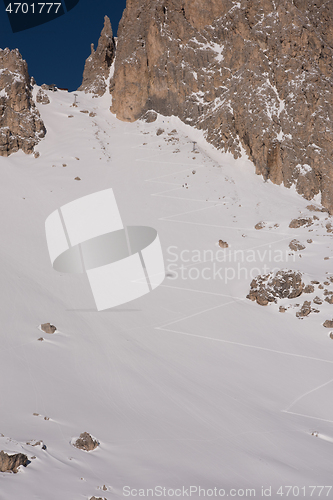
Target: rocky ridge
{"x": 97, "y": 66}
{"x": 21, "y": 126}
{"x": 255, "y": 75}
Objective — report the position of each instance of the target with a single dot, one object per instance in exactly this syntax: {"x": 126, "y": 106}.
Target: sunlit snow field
{"x": 190, "y": 385}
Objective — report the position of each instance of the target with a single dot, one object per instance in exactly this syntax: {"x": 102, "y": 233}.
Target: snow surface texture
{"x": 190, "y": 385}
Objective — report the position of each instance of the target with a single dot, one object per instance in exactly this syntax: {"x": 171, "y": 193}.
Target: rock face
{"x": 48, "y": 328}
{"x": 20, "y": 124}
{"x": 284, "y": 284}
{"x": 97, "y": 66}
{"x": 42, "y": 97}
{"x": 12, "y": 462}
{"x": 250, "y": 73}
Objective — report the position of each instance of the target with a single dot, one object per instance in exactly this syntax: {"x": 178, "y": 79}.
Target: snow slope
{"x": 190, "y": 385}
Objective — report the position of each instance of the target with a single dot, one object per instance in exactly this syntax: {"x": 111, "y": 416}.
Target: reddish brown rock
{"x": 251, "y": 73}
{"x": 328, "y": 323}
{"x": 21, "y": 126}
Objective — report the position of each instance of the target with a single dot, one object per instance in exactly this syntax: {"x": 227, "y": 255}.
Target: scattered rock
{"x": 64, "y": 164}
{"x": 84, "y": 111}
{"x": 48, "y": 328}
{"x": 329, "y": 227}
{"x": 95, "y": 498}
{"x": 51, "y": 87}
{"x": 309, "y": 289}
{"x": 309, "y": 241}
{"x": 284, "y": 284}
{"x": 77, "y": 179}
{"x": 223, "y": 244}
{"x": 295, "y": 223}
{"x": 260, "y": 225}
{"x": 166, "y": 52}
{"x": 313, "y": 208}
{"x": 41, "y": 339}
{"x": 36, "y": 154}
{"x": 97, "y": 66}
{"x": 328, "y": 323}
{"x": 282, "y": 309}
{"x": 331, "y": 335}
{"x": 160, "y": 131}
{"x": 12, "y": 462}
{"x": 317, "y": 300}
{"x": 86, "y": 442}
{"x": 326, "y": 258}
{"x": 37, "y": 443}
{"x": 305, "y": 309}
{"x": 314, "y": 282}
{"x": 296, "y": 246}
{"x": 321, "y": 287}
{"x": 92, "y": 114}
{"x": 70, "y": 116}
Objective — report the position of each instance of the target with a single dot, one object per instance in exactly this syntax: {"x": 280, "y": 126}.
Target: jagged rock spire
{"x": 97, "y": 66}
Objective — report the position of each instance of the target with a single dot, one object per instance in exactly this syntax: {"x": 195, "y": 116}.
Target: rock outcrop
{"x": 21, "y": 126}
{"x": 48, "y": 328}
{"x": 12, "y": 462}
{"x": 250, "y": 73}
{"x": 97, "y": 66}
{"x": 284, "y": 284}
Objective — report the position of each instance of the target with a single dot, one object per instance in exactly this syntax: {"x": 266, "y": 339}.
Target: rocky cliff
{"x": 97, "y": 66}
{"x": 256, "y": 73}
{"x": 20, "y": 124}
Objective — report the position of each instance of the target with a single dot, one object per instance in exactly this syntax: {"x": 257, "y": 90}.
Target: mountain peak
{"x": 97, "y": 66}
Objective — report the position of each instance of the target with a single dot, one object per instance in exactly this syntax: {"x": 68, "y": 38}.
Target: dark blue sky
{"x": 56, "y": 51}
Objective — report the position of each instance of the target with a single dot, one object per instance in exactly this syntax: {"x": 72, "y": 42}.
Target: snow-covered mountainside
{"x": 252, "y": 74}
{"x": 193, "y": 385}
